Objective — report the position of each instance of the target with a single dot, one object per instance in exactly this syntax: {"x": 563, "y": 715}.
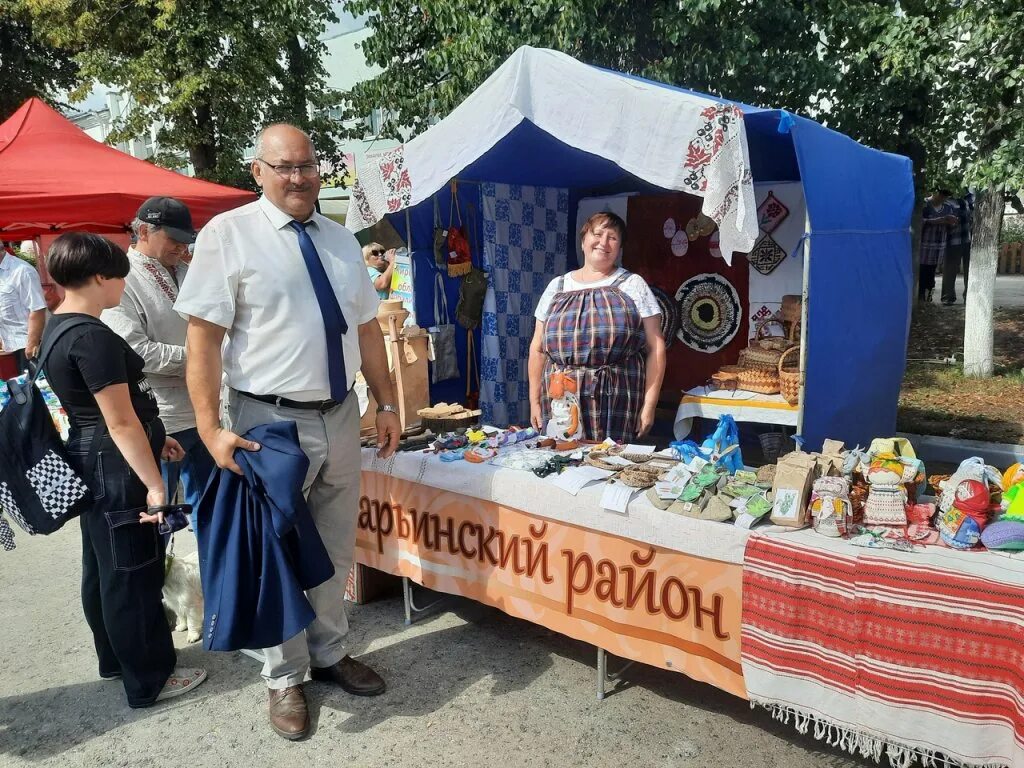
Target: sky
{"x": 97, "y": 98}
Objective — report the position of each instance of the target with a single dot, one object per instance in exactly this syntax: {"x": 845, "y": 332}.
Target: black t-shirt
{"x": 88, "y": 359}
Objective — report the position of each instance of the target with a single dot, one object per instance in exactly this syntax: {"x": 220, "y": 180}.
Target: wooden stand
{"x": 408, "y": 353}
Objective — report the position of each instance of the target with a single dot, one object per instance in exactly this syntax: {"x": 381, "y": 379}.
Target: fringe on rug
{"x": 853, "y": 742}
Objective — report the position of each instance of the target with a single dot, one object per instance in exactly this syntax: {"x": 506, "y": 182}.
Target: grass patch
{"x": 938, "y": 399}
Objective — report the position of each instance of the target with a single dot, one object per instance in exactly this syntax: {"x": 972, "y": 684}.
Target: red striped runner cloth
{"x": 912, "y": 655}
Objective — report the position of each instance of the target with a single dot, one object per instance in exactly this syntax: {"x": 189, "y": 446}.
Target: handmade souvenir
{"x": 710, "y": 313}
{"x": 771, "y": 213}
{"x": 831, "y": 512}
{"x": 766, "y": 255}
{"x": 565, "y": 423}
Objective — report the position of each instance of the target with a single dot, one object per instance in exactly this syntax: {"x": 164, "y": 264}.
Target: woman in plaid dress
{"x": 602, "y": 325}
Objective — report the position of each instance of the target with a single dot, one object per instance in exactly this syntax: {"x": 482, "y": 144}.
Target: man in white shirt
{"x": 146, "y": 319}
{"x": 22, "y": 309}
{"x": 289, "y": 289}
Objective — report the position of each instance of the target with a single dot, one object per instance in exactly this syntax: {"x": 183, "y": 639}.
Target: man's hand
{"x": 389, "y": 431}
{"x": 31, "y": 351}
{"x": 172, "y": 450}
{"x": 222, "y": 443}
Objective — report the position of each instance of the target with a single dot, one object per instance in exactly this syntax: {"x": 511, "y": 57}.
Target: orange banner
{"x": 639, "y": 602}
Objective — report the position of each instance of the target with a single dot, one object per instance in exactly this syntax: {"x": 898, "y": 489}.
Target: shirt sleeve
{"x": 157, "y": 357}
{"x": 32, "y": 290}
{"x": 99, "y": 357}
{"x": 642, "y": 295}
{"x": 211, "y": 283}
{"x": 544, "y": 303}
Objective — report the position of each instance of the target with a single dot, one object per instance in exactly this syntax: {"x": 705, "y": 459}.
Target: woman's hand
{"x": 172, "y": 450}
{"x": 646, "y": 420}
{"x": 155, "y": 497}
{"x": 536, "y": 416}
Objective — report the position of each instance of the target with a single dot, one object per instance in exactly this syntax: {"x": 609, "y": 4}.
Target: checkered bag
{"x": 39, "y": 489}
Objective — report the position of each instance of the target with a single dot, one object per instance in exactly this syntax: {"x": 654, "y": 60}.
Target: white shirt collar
{"x": 278, "y": 218}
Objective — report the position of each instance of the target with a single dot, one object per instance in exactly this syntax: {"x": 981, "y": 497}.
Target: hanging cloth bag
{"x": 442, "y": 336}
{"x": 460, "y": 258}
{"x": 470, "y": 309}
{"x": 440, "y": 240}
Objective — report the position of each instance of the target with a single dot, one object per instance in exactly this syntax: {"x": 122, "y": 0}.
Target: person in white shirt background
{"x": 22, "y": 308}
{"x": 282, "y": 283}
{"x": 146, "y": 319}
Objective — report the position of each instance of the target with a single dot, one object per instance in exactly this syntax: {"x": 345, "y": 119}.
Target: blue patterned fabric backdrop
{"x": 525, "y": 246}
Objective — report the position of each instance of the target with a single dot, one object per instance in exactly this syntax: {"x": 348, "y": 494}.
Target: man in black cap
{"x": 147, "y": 321}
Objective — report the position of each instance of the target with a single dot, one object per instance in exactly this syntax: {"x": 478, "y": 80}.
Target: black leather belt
{"x": 303, "y": 405}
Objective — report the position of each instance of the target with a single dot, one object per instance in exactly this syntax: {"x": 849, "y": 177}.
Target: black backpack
{"x": 39, "y": 488}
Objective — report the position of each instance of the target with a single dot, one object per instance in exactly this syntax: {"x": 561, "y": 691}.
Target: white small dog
{"x": 183, "y": 594}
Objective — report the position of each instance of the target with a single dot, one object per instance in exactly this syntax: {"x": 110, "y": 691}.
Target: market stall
{"x": 792, "y": 209}
{"x": 906, "y": 652}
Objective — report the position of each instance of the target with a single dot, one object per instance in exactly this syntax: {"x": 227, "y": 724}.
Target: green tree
{"x": 207, "y": 73}
{"x": 434, "y": 53}
{"x": 28, "y": 66}
{"x": 985, "y": 109}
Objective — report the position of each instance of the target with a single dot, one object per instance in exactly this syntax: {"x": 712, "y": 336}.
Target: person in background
{"x": 938, "y": 220}
{"x": 958, "y": 252}
{"x": 22, "y": 308}
{"x": 146, "y": 319}
{"x": 380, "y": 265}
{"x": 288, "y": 288}
{"x": 102, "y": 385}
{"x": 602, "y": 325}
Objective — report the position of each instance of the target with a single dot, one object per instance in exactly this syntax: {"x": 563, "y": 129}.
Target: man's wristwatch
{"x": 386, "y": 409}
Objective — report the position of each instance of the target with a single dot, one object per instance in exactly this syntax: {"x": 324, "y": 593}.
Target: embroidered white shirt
{"x": 146, "y": 319}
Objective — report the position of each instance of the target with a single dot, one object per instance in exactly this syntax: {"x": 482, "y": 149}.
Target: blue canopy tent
{"x": 857, "y": 254}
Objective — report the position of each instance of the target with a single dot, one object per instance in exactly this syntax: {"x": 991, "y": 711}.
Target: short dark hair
{"x": 75, "y": 257}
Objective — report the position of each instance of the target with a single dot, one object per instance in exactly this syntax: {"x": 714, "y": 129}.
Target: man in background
{"x": 958, "y": 251}
{"x": 22, "y": 308}
{"x": 147, "y": 321}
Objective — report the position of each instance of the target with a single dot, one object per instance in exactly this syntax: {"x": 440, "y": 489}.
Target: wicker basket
{"x": 792, "y": 307}
{"x": 759, "y": 380}
{"x": 789, "y": 377}
{"x": 764, "y": 351}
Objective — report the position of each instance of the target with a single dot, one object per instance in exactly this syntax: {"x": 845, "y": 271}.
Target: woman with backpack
{"x": 101, "y": 385}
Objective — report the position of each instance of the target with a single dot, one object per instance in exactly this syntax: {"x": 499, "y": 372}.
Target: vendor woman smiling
{"x": 602, "y": 325}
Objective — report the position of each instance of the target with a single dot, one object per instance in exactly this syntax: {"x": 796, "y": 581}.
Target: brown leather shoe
{"x": 289, "y": 715}
{"x": 354, "y": 676}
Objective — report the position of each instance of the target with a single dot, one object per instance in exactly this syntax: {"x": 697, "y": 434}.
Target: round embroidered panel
{"x": 669, "y": 315}
{"x": 709, "y": 312}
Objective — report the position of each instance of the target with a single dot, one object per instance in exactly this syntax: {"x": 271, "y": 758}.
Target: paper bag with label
{"x": 793, "y": 478}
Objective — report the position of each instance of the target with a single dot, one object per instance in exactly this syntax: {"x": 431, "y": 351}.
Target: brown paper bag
{"x": 793, "y": 478}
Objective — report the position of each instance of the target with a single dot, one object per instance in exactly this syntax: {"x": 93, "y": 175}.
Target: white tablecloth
{"x": 643, "y": 522}
{"x": 701, "y": 402}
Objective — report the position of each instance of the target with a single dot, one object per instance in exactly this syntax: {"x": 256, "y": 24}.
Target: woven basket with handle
{"x": 789, "y": 377}
{"x": 764, "y": 351}
{"x": 759, "y": 380}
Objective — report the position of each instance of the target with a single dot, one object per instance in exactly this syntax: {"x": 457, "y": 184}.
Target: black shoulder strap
{"x": 101, "y": 427}
{"x": 44, "y": 354}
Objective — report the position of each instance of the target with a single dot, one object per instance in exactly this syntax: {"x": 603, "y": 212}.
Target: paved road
{"x": 468, "y": 686}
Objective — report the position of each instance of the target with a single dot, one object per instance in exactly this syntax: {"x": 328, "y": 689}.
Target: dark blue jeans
{"x": 193, "y": 471}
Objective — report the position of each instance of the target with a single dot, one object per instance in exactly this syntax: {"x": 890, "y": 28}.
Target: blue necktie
{"x": 334, "y": 319}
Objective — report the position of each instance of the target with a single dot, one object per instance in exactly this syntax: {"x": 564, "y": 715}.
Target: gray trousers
{"x": 331, "y": 442}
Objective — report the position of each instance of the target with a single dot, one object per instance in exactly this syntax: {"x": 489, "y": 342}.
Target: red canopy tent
{"x": 56, "y": 178}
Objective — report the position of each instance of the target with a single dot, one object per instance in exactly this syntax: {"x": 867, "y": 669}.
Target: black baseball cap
{"x": 169, "y": 214}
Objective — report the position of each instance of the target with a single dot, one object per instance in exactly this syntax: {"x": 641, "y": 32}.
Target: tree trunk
{"x": 981, "y": 287}
{"x": 203, "y": 154}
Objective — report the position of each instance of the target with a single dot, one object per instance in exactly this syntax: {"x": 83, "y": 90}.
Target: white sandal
{"x": 182, "y": 680}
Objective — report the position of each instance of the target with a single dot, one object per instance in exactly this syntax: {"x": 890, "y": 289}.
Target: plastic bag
{"x": 721, "y": 447}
